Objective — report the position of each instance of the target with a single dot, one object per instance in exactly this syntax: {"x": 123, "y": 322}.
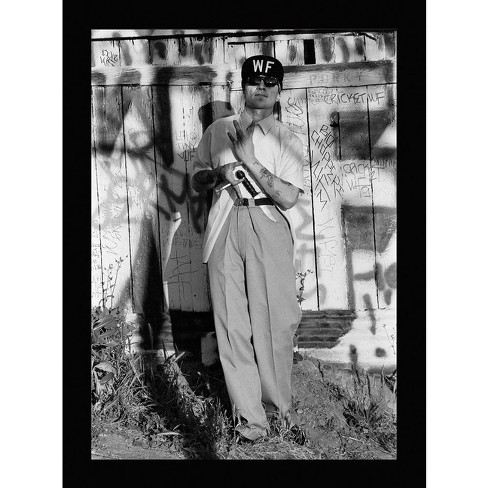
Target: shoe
{"x": 250, "y": 433}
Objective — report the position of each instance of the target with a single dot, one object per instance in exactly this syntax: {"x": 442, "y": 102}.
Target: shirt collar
{"x": 265, "y": 124}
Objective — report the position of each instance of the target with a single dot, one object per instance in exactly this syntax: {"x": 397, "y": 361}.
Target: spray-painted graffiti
{"x": 145, "y": 140}
{"x": 360, "y": 232}
{"x": 109, "y": 58}
{"x": 294, "y": 116}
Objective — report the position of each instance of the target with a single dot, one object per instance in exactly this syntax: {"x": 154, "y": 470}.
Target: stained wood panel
{"x": 235, "y": 55}
{"x": 348, "y": 49}
{"x": 105, "y": 54}
{"x": 390, "y": 45}
{"x": 189, "y": 136}
{"x": 172, "y": 197}
{"x": 190, "y": 51}
{"x": 255, "y": 48}
{"x": 134, "y": 52}
{"x": 149, "y": 114}
{"x": 290, "y": 52}
{"x": 169, "y": 215}
{"x": 96, "y": 255}
{"x": 185, "y": 274}
{"x": 141, "y": 198}
{"x": 237, "y": 100}
{"x": 374, "y": 46}
{"x": 219, "y": 100}
{"x": 357, "y": 199}
{"x": 324, "y": 50}
{"x": 306, "y": 76}
{"x": 294, "y": 116}
{"x": 112, "y": 193}
{"x": 382, "y": 126}
{"x": 327, "y": 191}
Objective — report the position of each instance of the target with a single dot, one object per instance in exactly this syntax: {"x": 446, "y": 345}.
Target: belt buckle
{"x": 239, "y": 202}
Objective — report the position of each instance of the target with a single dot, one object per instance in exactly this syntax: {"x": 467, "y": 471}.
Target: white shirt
{"x": 277, "y": 148}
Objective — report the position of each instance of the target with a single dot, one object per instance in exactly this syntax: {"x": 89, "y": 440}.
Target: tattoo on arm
{"x": 266, "y": 174}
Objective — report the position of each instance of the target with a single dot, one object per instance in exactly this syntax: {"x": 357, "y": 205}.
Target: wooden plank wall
{"x": 153, "y": 97}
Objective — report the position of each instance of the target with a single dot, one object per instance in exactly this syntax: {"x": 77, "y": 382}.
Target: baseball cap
{"x": 262, "y": 65}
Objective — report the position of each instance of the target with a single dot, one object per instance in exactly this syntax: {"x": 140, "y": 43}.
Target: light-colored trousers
{"x": 256, "y": 312}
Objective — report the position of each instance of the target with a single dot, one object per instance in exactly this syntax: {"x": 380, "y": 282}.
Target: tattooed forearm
{"x": 284, "y": 193}
{"x": 264, "y": 173}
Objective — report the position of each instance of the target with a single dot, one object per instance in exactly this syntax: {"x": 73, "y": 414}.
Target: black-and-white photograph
{"x": 272, "y": 217}
{"x": 243, "y": 244}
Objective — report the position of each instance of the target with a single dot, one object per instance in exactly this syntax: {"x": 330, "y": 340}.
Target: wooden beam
{"x": 304, "y": 76}
{"x": 234, "y": 35}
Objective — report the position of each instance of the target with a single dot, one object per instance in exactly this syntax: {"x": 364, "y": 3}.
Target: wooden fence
{"x": 153, "y": 95}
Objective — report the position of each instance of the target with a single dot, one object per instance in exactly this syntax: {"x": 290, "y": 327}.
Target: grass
{"x": 181, "y": 405}
{"x": 157, "y": 399}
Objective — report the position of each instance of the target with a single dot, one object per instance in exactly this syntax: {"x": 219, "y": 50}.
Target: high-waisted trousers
{"x": 256, "y": 312}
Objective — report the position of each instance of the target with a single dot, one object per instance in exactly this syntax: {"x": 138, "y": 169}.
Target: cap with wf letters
{"x": 262, "y": 65}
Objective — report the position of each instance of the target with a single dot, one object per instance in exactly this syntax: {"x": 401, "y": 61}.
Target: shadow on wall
{"x": 358, "y": 236}
{"x": 145, "y": 285}
{"x": 144, "y": 288}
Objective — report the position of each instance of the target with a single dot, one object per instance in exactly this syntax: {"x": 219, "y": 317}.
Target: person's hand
{"x": 242, "y": 145}
{"x": 226, "y": 173}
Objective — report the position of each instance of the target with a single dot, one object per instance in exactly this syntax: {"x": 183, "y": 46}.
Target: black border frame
{"x": 409, "y": 21}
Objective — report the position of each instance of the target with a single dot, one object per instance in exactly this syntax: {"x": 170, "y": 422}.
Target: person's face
{"x": 260, "y": 96}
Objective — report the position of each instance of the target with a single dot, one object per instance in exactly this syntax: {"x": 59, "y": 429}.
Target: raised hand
{"x": 242, "y": 145}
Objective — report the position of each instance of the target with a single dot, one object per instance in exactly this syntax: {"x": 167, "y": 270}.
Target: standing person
{"x": 253, "y": 165}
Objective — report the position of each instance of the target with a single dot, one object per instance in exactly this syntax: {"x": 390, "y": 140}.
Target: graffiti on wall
{"x": 145, "y": 140}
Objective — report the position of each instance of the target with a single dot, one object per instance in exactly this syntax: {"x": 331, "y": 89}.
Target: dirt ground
{"x": 328, "y": 429}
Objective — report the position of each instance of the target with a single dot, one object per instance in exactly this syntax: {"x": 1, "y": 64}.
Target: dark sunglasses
{"x": 269, "y": 81}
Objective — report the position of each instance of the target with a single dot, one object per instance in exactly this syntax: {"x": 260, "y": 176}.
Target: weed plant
{"x": 137, "y": 389}
{"x": 364, "y": 408}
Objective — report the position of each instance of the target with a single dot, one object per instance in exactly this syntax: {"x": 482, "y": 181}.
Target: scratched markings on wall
{"x": 185, "y": 273}
{"x": 112, "y": 192}
{"x": 105, "y": 54}
{"x": 294, "y": 116}
{"x": 146, "y": 127}
{"x": 173, "y": 196}
{"x": 190, "y": 136}
{"x": 327, "y": 191}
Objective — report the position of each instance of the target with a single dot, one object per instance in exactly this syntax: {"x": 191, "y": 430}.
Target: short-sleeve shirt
{"x": 276, "y": 147}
